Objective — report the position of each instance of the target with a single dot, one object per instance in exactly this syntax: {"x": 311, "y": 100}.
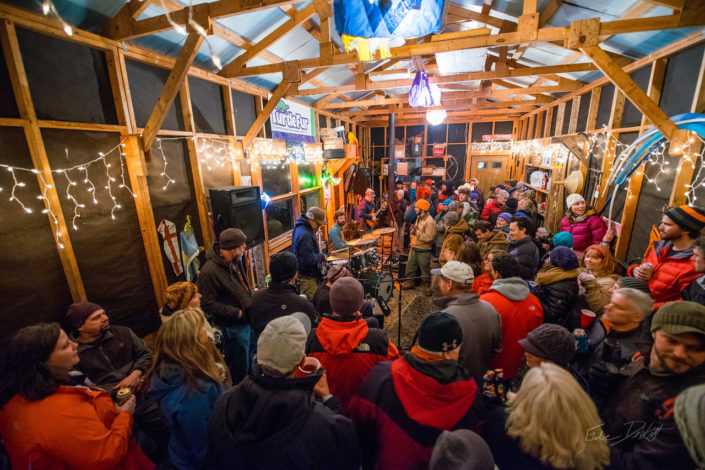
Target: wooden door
{"x": 490, "y": 170}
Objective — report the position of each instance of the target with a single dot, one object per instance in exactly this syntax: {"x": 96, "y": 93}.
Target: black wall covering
{"x": 178, "y": 200}
{"x": 8, "y": 107}
{"x": 457, "y": 133}
{"x": 68, "y": 81}
{"x": 436, "y": 134}
{"x": 110, "y": 253}
{"x": 479, "y": 129}
{"x": 413, "y": 131}
{"x": 632, "y": 116}
{"x": 554, "y": 120}
{"x": 583, "y": 112}
{"x": 207, "y": 106}
{"x": 456, "y": 170}
{"x": 604, "y": 109}
{"x": 33, "y": 287}
{"x": 377, "y": 136}
{"x": 245, "y": 112}
{"x": 566, "y": 117}
{"x": 146, "y": 84}
{"x": 680, "y": 80}
{"x": 503, "y": 127}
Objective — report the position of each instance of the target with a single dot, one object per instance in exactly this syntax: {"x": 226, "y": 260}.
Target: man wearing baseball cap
{"x": 366, "y": 210}
{"x": 645, "y": 398}
{"x": 671, "y": 257}
{"x": 280, "y": 416}
{"x": 305, "y": 245}
{"x": 480, "y": 322}
{"x": 225, "y": 292}
{"x": 422, "y": 235}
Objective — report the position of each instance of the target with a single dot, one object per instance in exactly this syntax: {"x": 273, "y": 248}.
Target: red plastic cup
{"x": 586, "y": 318}
{"x": 309, "y": 367}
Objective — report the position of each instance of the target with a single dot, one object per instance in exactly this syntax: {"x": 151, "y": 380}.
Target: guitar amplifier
{"x": 238, "y": 207}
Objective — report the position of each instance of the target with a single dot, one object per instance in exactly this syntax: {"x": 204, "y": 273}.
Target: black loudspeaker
{"x": 238, "y": 207}
{"x": 362, "y": 181}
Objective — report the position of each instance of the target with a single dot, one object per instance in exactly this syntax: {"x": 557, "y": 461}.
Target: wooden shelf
{"x": 536, "y": 188}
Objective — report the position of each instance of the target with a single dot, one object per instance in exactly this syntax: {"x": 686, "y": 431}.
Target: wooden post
{"x": 278, "y": 94}
{"x": 594, "y": 105}
{"x": 199, "y": 188}
{"x": 573, "y": 123}
{"x": 616, "y": 114}
{"x": 549, "y": 120}
{"x": 171, "y": 88}
{"x": 229, "y": 109}
{"x": 559, "y": 118}
{"x": 40, "y": 161}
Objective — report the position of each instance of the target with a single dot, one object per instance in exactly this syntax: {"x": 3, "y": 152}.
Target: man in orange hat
{"x": 422, "y": 235}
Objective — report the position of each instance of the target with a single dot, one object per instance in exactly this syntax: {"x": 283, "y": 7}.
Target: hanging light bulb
{"x": 435, "y": 116}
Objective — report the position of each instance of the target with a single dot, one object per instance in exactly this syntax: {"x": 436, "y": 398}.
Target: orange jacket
{"x": 75, "y": 428}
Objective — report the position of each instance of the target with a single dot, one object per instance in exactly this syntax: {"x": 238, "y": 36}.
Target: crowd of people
{"x": 539, "y": 354}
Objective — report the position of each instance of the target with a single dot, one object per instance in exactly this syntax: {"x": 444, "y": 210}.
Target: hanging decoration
{"x": 170, "y": 244}
{"x": 491, "y": 146}
{"x": 422, "y": 93}
{"x": 189, "y": 251}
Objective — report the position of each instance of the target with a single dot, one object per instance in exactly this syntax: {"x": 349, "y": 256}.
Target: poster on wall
{"x": 293, "y": 122}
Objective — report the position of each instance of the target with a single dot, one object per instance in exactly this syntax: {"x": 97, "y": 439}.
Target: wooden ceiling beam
{"x": 309, "y": 25}
{"x": 449, "y": 105}
{"x": 277, "y": 95}
{"x": 484, "y": 18}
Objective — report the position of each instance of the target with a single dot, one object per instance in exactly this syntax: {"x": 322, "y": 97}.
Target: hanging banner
{"x": 293, "y": 122}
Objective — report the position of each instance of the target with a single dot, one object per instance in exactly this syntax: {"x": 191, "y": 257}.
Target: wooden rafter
{"x": 171, "y": 88}
{"x": 277, "y": 95}
{"x": 309, "y": 25}
{"x": 270, "y": 39}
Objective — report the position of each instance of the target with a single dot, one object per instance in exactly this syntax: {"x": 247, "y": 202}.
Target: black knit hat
{"x": 564, "y": 258}
{"x": 551, "y": 342}
{"x": 78, "y": 313}
{"x": 440, "y": 332}
{"x": 283, "y": 266}
{"x": 690, "y": 218}
{"x": 634, "y": 283}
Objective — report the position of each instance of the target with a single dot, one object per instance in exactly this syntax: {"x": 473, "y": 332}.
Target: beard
{"x": 664, "y": 367}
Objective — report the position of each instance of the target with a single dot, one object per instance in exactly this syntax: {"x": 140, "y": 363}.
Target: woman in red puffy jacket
{"x": 586, "y": 227}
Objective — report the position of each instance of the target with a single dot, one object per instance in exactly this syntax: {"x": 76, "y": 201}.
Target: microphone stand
{"x": 400, "y": 280}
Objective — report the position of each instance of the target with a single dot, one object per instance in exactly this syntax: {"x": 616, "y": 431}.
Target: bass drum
{"x": 377, "y": 284}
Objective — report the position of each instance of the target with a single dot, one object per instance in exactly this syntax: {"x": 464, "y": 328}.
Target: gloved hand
{"x": 604, "y": 378}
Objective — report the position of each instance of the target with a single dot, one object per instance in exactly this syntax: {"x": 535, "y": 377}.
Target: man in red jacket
{"x": 520, "y": 311}
{"x": 344, "y": 344}
{"x": 403, "y": 406}
{"x": 671, "y": 258}
{"x": 494, "y": 205}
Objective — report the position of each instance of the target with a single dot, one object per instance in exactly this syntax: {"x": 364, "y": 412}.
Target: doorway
{"x": 489, "y": 170}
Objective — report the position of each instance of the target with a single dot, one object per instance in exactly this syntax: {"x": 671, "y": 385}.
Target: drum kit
{"x": 362, "y": 259}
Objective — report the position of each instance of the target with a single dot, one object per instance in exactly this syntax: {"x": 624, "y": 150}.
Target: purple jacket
{"x": 586, "y": 232}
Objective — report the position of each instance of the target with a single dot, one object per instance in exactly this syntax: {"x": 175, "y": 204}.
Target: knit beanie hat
{"x": 231, "y": 238}
{"x": 689, "y": 414}
{"x": 283, "y": 266}
{"x": 634, "y": 283}
{"x": 78, "y": 313}
{"x": 506, "y": 216}
{"x": 563, "y": 239}
{"x": 423, "y": 204}
{"x": 690, "y": 218}
{"x": 451, "y": 218}
{"x": 564, "y": 258}
{"x": 179, "y": 294}
{"x": 461, "y": 449}
{"x": 440, "y": 332}
{"x": 346, "y": 296}
{"x": 680, "y": 317}
{"x": 572, "y": 199}
{"x": 453, "y": 205}
{"x": 551, "y": 342}
{"x": 511, "y": 204}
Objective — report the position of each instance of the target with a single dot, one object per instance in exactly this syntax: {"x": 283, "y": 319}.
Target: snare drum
{"x": 364, "y": 260}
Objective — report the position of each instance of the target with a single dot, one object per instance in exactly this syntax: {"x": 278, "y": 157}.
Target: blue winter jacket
{"x": 304, "y": 244}
{"x": 186, "y": 412}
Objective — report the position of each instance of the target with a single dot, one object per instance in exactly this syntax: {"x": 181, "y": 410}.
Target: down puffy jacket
{"x": 557, "y": 291}
{"x": 586, "y": 232}
{"x": 673, "y": 271}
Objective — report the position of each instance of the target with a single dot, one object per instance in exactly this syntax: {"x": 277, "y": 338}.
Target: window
{"x": 309, "y": 200}
{"x": 482, "y": 165}
{"x": 277, "y": 180}
{"x": 496, "y": 164}
{"x": 280, "y": 217}
{"x": 307, "y": 175}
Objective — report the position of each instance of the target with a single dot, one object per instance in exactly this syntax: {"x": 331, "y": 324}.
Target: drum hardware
{"x": 361, "y": 242}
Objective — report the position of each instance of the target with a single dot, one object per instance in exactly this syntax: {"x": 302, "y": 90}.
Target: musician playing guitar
{"x": 366, "y": 211}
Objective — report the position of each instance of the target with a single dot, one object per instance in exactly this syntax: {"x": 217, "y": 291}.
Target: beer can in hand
{"x": 122, "y": 396}
{"x": 647, "y": 269}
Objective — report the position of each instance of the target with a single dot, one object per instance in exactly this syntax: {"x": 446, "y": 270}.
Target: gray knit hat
{"x": 451, "y": 218}
{"x": 680, "y": 317}
{"x": 461, "y": 449}
{"x": 689, "y": 414}
{"x": 634, "y": 283}
{"x": 551, "y": 342}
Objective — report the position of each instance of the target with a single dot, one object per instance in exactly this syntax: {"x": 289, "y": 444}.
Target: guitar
{"x": 382, "y": 209}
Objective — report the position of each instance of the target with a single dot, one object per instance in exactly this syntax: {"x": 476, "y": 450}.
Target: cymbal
{"x": 361, "y": 241}
{"x": 384, "y": 231}
{"x": 335, "y": 262}
{"x": 370, "y": 236}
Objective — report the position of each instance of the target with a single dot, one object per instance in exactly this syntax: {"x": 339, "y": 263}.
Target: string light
{"x": 18, "y": 184}
{"x": 49, "y": 9}
{"x": 181, "y": 29}
{"x": 492, "y": 146}
{"x": 76, "y": 205}
{"x": 48, "y": 210}
{"x": 164, "y": 173}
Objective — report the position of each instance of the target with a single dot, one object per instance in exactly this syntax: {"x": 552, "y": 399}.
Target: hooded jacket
{"x": 489, "y": 208}
{"x": 348, "y": 349}
{"x": 304, "y": 244}
{"x": 498, "y": 241}
{"x": 423, "y": 233}
{"x": 527, "y": 254}
{"x": 639, "y": 420}
{"x": 482, "y": 331}
{"x": 586, "y": 232}
{"x": 482, "y": 283}
{"x": 186, "y": 412}
{"x": 558, "y": 292}
{"x": 273, "y": 423}
{"x": 73, "y": 428}
{"x": 225, "y": 291}
{"x": 673, "y": 271}
{"x": 276, "y": 301}
{"x": 695, "y": 292}
{"x": 112, "y": 357}
{"x": 454, "y": 241}
{"x": 521, "y": 312}
{"x": 403, "y": 406}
